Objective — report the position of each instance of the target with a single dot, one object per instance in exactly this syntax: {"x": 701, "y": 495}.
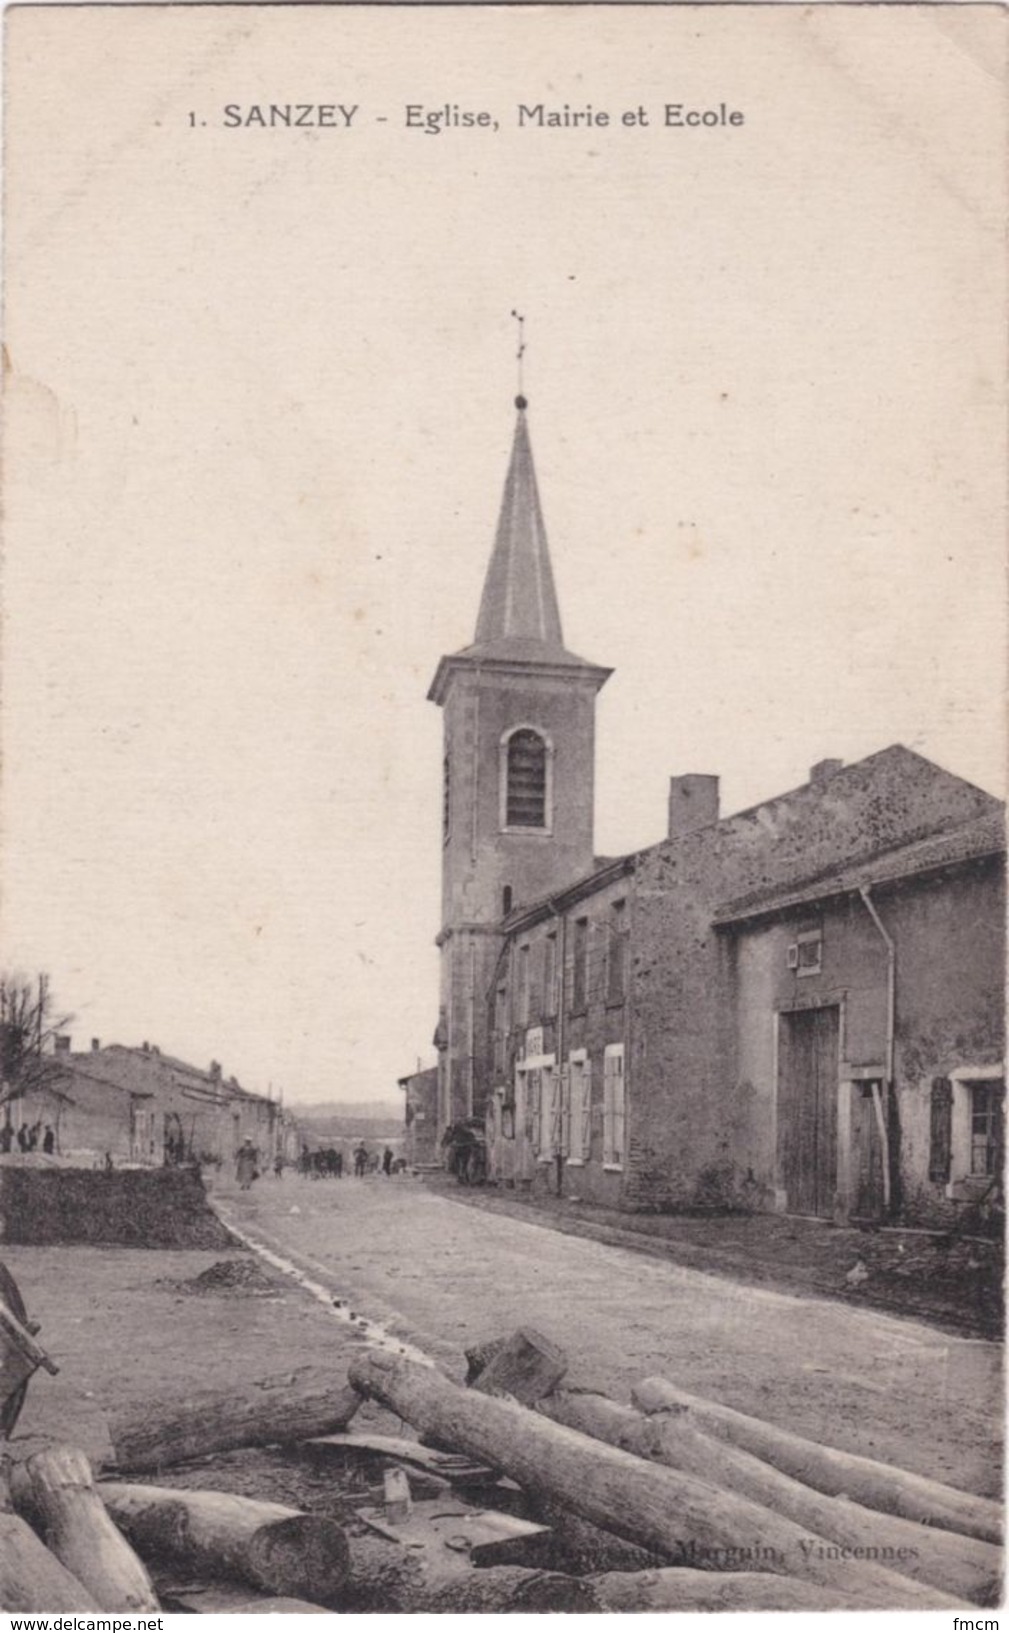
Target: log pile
{"x": 518, "y": 1495}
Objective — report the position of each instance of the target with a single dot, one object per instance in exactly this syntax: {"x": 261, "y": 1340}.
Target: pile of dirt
{"x": 128, "y": 1207}
{"x": 231, "y": 1278}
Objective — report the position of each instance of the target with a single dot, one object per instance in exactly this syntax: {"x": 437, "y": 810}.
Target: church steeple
{"x": 518, "y": 770}
{"x": 519, "y": 621}
{"x": 518, "y": 609}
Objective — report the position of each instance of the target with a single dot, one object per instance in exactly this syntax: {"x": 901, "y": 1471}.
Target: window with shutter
{"x": 555, "y": 1143}
{"x": 987, "y": 1128}
{"x": 613, "y": 1106}
{"x": 522, "y": 1000}
{"x": 940, "y": 1130}
{"x": 530, "y": 1080}
{"x": 550, "y": 975}
{"x": 525, "y": 780}
{"x": 616, "y": 954}
{"x": 579, "y": 965}
{"x": 578, "y": 1108}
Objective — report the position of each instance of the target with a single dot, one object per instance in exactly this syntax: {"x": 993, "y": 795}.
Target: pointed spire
{"x": 519, "y": 603}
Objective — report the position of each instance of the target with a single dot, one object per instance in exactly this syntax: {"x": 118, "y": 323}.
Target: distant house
{"x": 91, "y": 1113}
{"x": 420, "y": 1112}
{"x": 142, "y": 1106}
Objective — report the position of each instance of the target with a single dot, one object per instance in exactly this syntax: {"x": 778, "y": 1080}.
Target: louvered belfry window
{"x": 526, "y": 805}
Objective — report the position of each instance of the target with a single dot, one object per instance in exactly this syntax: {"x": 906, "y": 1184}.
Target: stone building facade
{"x": 649, "y": 1031}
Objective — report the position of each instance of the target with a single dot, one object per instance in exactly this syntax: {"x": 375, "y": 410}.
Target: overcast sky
{"x": 260, "y": 414}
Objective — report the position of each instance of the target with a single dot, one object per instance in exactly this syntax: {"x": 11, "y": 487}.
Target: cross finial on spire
{"x": 520, "y": 401}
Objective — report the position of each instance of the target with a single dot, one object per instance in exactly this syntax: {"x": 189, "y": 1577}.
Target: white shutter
{"x": 566, "y": 1110}
{"x": 533, "y": 1116}
{"x": 586, "y": 1111}
{"x": 613, "y": 1106}
{"x": 556, "y": 1112}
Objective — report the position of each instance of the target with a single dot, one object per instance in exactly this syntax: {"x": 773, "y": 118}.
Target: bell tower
{"x": 519, "y": 774}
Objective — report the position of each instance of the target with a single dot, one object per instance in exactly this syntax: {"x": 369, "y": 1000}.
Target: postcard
{"x": 503, "y": 1066}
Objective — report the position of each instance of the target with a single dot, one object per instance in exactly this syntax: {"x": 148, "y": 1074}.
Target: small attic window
{"x": 809, "y": 952}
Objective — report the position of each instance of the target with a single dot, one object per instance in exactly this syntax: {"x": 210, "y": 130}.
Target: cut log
{"x": 56, "y": 1491}
{"x": 294, "y": 1407}
{"x": 387, "y": 1578}
{"x": 576, "y": 1546}
{"x": 675, "y": 1588}
{"x": 960, "y": 1565}
{"x": 678, "y": 1516}
{"x": 861, "y": 1479}
{"x": 211, "y": 1599}
{"x": 31, "y": 1578}
{"x": 508, "y": 1589}
{"x": 271, "y": 1547}
{"x": 525, "y": 1367}
{"x": 479, "y": 1356}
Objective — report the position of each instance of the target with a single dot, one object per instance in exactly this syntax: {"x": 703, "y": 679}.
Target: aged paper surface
{"x": 262, "y": 271}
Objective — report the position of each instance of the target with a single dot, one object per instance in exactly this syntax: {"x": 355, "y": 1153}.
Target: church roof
{"x": 519, "y": 600}
{"x": 519, "y": 619}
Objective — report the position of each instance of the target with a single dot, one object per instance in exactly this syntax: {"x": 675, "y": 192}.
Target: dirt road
{"x": 443, "y": 1276}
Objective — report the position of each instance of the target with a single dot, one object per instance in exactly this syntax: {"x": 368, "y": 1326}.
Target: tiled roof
{"x": 984, "y": 836}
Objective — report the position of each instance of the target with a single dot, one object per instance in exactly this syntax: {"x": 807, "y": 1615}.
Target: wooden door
{"x": 808, "y": 1066}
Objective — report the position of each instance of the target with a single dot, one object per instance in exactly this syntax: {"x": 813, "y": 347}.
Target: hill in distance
{"x": 340, "y": 1120}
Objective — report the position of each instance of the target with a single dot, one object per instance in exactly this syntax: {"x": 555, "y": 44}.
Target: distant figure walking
{"x": 48, "y": 1141}
{"x": 246, "y": 1164}
{"x": 360, "y": 1161}
{"x": 278, "y": 1166}
{"x": 387, "y": 1156}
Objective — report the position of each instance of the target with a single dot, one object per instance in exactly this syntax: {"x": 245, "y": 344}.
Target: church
{"x": 797, "y": 1007}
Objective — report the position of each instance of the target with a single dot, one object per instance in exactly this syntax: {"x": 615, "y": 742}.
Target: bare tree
{"x": 28, "y": 1024}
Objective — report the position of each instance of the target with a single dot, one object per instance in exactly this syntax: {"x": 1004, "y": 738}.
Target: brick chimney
{"x": 96, "y": 1044}
{"x": 823, "y": 770}
{"x": 215, "y": 1071}
{"x": 693, "y": 803}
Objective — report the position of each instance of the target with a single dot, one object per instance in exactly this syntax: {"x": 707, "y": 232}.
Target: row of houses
{"x": 136, "y": 1105}
{"x": 797, "y": 1007}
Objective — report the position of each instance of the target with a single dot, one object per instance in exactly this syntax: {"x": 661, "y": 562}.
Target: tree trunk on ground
{"x": 960, "y": 1565}
{"x": 578, "y": 1546}
{"x": 387, "y": 1577}
{"x": 31, "y": 1578}
{"x": 213, "y": 1533}
{"x": 680, "y": 1589}
{"x": 155, "y": 1436}
{"x": 55, "y": 1490}
{"x": 860, "y": 1479}
{"x": 678, "y": 1516}
{"x": 211, "y": 1600}
{"x": 526, "y": 1367}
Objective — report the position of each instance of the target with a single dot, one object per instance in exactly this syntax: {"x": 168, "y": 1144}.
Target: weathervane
{"x": 520, "y": 401}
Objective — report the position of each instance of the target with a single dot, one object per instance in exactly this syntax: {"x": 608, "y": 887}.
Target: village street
{"x": 442, "y": 1276}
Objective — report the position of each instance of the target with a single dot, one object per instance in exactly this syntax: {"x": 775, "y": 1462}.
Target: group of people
{"x": 324, "y": 1163}
{"x": 27, "y": 1138}
{"x": 327, "y": 1162}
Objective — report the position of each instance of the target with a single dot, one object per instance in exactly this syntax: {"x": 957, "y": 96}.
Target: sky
{"x": 258, "y": 419}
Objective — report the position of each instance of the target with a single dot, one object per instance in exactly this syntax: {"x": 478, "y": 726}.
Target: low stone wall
{"x": 140, "y": 1207}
